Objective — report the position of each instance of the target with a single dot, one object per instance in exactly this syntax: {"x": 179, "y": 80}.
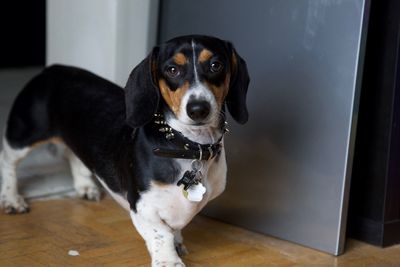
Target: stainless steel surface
{"x": 288, "y": 167}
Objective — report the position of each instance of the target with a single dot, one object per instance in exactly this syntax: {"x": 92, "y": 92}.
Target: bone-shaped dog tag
{"x": 195, "y": 192}
{"x": 193, "y": 189}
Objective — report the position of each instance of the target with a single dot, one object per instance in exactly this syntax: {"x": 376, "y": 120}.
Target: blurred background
{"x": 302, "y": 156}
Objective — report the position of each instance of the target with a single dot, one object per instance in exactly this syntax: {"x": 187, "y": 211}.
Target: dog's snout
{"x": 198, "y": 110}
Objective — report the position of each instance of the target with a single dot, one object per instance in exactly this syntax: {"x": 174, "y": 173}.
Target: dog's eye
{"x": 173, "y": 72}
{"x": 216, "y": 66}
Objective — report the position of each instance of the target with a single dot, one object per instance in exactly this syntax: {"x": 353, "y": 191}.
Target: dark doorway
{"x": 374, "y": 209}
{"x": 23, "y": 29}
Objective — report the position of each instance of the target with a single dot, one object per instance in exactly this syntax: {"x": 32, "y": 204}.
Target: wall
{"x": 107, "y": 37}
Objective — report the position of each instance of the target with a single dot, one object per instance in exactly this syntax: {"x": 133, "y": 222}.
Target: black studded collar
{"x": 185, "y": 148}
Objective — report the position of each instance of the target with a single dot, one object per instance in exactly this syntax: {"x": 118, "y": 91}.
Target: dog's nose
{"x": 198, "y": 110}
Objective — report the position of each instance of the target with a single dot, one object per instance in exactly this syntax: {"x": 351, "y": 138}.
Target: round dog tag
{"x": 197, "y": 165}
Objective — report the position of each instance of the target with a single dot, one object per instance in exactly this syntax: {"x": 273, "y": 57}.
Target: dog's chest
{"x": 169, "y": 202}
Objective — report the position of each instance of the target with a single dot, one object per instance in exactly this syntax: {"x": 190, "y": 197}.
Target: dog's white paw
{"x": 89, "y": 192}
{"x": 162, "y": 263}
{"x": 13, "y": 204}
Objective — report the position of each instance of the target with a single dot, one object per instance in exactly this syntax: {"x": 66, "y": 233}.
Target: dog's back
{"x": 53, "y": 100}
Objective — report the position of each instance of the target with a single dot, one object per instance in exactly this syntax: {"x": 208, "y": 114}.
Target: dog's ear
{"x": 236, "y": 98}
{"x": 141, "y": 92}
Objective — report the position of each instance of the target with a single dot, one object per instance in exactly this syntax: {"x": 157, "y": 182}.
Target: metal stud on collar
{"x": 166, "y": 129}
{"x": 160, "y": 122}
{"x": 159, "y": 119}
{"x": 225, "y": 127}
{"x": 170, "y": 136}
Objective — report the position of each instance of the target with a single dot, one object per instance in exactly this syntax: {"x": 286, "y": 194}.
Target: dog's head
{"x": 191, "y": 77}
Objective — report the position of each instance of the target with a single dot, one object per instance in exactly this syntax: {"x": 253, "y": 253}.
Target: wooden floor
{"x": 103, "y": 235}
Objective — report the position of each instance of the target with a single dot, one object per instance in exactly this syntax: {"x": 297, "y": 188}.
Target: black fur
{"x": 236, "y": 98}
{"x": 141, "y": 93}
{"x": 107, "y": 128}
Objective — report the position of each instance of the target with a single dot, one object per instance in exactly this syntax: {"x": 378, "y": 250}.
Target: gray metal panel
{"x": 288, "y": 165}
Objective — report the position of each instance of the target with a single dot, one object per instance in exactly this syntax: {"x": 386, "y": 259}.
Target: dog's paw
{"x": 161, "y": 263}
{"x": 13, "y": 204}
{"x": 181, "y": 249}
{"x": 89, "y": 192}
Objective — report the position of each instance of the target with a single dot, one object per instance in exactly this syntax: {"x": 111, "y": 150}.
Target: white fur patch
{"x": 82, "y": 176}
{"x": 10, "y": 200}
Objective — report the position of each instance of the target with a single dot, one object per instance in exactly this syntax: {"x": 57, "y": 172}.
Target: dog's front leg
{"x": 159, "y": 239}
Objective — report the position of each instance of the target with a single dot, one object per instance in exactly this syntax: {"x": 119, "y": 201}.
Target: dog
{"x": 156, "y": 146}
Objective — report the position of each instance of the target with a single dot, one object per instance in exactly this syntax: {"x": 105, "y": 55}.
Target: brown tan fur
{"x": 221, "y": 91}
{"x": 53, "y": 140}
{"x": 180, "y": 59}
{"x": 173, "y": 98}
{"x": 205, "y": 55}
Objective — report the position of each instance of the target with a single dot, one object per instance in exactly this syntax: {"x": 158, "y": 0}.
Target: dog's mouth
{"x": 207, "y": 122}
{"x": 196, "y": 124}
{"x": 187, "y": 122}
{"x": 211, "y": 122}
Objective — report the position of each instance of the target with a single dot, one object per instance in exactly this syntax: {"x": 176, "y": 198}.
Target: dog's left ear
{"x": 236, "y": 98}
{"x": 141, "y": 93}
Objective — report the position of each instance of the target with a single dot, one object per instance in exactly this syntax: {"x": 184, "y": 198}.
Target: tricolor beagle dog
{"x": 157, "y": 146}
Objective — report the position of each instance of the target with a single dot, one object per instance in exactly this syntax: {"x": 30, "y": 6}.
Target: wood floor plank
{"x": 104, "y": 236}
